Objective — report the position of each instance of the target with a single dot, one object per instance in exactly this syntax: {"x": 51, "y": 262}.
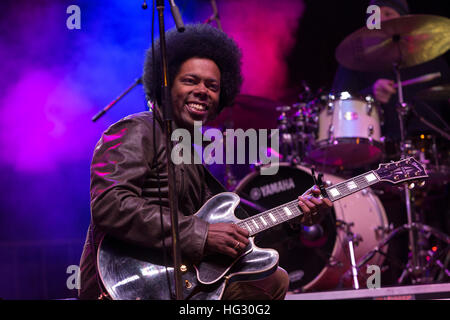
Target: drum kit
{"x": 339, "y": 134}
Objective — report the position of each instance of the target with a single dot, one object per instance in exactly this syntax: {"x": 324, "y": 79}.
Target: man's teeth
{"x": 196, "y": 106}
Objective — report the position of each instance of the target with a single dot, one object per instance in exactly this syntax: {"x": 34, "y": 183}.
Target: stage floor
{"x": 416, "y": 292}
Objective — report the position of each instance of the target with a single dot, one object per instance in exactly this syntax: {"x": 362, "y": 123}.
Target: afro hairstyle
{"x": 200, "y": 41}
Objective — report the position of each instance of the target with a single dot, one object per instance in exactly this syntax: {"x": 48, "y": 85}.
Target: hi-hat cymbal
{"x": 408, "y": 41}
{"x": 436, "y": 93}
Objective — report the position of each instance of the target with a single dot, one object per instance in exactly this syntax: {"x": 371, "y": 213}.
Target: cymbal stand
{"x": 413, "y": 267}
{"x": 402, "y": 111}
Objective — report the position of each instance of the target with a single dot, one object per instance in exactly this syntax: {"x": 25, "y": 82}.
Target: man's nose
{"x": 201, "y": 90}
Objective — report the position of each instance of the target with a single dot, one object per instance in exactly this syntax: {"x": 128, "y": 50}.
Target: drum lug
{"x": 370, "y": 131}
{"x": 369, "y": 107}
{"x": 330, "y": 104}
{"x": 330, "y": 108}
{"x": 331, "y": 133}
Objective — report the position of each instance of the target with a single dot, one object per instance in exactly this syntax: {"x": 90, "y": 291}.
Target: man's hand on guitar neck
{"x": 313, "y": 206}
{"x": 229, "y": 239}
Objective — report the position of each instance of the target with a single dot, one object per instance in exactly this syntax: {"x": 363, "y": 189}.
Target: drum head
{"x": 304, "y": 251}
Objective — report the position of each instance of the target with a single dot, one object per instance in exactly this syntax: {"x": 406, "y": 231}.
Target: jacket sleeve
{"x": 121, "y": 163}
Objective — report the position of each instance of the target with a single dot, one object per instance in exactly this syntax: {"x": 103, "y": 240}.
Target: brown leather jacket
{"x": 125, "y": 201}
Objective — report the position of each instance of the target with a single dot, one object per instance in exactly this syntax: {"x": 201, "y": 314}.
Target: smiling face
{"x": 196, "y": 92}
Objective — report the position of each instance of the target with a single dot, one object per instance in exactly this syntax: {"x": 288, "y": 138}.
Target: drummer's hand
{"x": 383, "y": 89}
{"x": 313, "y": 208}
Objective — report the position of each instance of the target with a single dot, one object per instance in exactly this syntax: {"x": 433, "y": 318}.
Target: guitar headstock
{"x": 401, "y": 171}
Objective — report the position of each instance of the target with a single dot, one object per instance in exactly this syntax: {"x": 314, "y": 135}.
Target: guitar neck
{"x": 273, "y": 217}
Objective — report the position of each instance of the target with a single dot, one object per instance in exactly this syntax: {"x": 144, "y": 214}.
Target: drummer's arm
{"x": 383, "y": 89}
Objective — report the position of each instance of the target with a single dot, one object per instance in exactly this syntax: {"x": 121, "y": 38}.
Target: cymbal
{"x": 436, "y": 93}
{"x": 408, "y": 40}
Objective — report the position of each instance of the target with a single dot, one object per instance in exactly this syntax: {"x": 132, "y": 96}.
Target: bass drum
{"x": 315, "y": 257}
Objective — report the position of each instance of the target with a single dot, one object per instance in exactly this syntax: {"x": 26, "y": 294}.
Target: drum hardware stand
{"x": 414, "y": 266}
{"x": 402, "y": 111}
{"x": 288, "y": 151}
{"x": 352, "y": 241}
{"x": 430, "y": 125}
{"x": 409, "y": 268}
{"x": 300, "y": 126}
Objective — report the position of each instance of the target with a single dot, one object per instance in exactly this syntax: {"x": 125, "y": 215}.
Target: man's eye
{"x": 214, "y": 87}
{"x": 188, "y": 80}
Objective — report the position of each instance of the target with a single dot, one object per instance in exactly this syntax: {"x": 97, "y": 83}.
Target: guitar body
{"x": 135, "y": 273}
{"x": 132, "y": 273}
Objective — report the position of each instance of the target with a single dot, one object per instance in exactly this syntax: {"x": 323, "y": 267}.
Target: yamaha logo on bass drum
{"x": 271, "y": 189}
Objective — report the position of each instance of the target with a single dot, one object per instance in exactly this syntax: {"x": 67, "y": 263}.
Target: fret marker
{"x": 288, "y": 212}
{"x": 248, "y": 227}
{"x": 334, "y": 192}
{"x": 351, "y": 185}
{"x": 263, "y": 221}
{"x": 272, "y": 217}
{"x": 370, "y": 177}
{"x": 256, "y": 225}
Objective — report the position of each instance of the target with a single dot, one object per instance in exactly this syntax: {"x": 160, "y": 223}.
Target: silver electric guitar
{"x": 135, "y": 273}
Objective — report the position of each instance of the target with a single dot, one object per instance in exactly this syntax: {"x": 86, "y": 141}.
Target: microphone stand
{"x": 215, "y": 15}
{"x": 109, "y": 106}
{"x": 167, "y": 119}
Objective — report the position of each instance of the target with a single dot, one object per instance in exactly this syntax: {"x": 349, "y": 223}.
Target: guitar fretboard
{"x": 270, "y": 218}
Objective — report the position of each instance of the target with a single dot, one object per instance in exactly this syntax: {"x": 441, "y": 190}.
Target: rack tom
{"x": 349, "y": 133}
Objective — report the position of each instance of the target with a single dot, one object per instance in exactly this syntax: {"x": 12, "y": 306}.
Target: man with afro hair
{"x": 129, "y": 185}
